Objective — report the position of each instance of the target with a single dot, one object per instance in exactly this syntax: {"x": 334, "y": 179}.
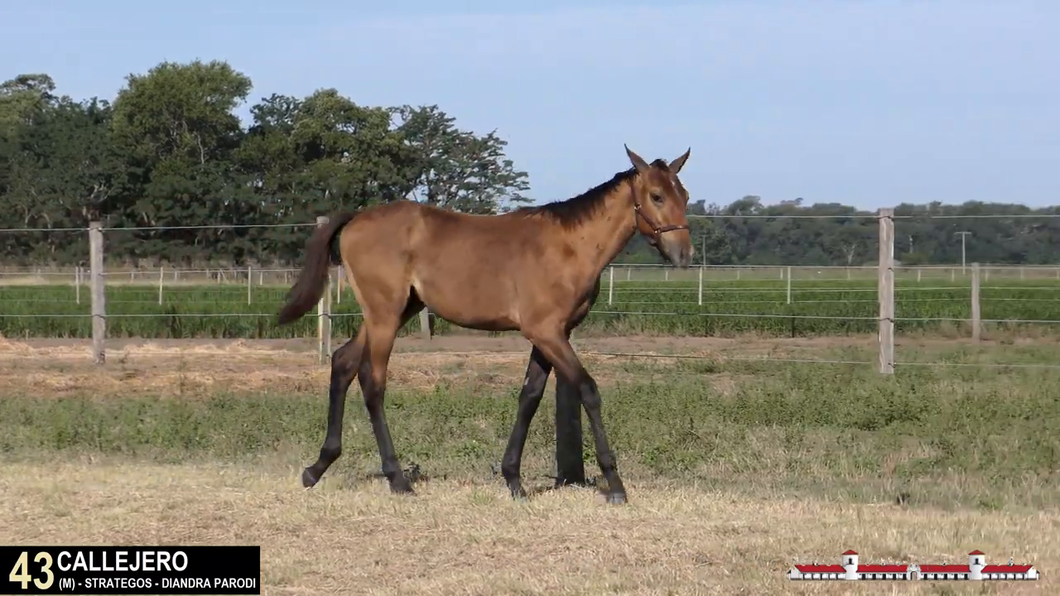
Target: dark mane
{"x": 577, "y": 209}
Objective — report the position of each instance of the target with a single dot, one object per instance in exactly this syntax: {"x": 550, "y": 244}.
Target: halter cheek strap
{"x": 655, "y": 229}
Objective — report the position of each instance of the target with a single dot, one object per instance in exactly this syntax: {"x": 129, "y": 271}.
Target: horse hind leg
{"x": 372, "y": 377}
{"x": 345, "y": 363}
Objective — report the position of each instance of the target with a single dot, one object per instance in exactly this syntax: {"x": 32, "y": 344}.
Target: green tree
{"x": 169, "y": 150}
{"x": 175, "y": 130}
{"x": 458, "y": 170}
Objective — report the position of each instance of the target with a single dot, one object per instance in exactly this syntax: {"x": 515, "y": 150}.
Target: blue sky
{"x": 869, "y": 103}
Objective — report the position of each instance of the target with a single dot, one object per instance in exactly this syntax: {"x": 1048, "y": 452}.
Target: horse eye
{"x": 657, "y": 198}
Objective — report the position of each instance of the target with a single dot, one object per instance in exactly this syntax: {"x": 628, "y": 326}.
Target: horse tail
{"x": 313, "y": 277}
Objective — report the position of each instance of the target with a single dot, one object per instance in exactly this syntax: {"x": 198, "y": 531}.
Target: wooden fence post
{"x": 701, "y": 285}
{"x": 425, "y": 324}
{"x": 99, "y": 296}
{"x": 324, "y": 313}
{"x": 977, "y": 323}
{"x": 610, "y": 284}
{"x": 885, "y": 291}
{"x": 788, "y": 275}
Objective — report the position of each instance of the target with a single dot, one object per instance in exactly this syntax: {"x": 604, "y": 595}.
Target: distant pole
{"x": 964, "y": 236}
{"x": 99, "y": 309}
{"x": 885, "y": 285}
{"x": 701, "y": 286}
{"x": 324, "y": 313}
{"x": 977, "y": 319}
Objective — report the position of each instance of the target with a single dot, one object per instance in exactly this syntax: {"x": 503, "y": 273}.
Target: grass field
{"x": 730, "y": 308}
{"x": 735, "y": 469}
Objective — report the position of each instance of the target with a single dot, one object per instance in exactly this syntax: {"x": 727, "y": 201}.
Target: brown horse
{"x": 534, "y": 270}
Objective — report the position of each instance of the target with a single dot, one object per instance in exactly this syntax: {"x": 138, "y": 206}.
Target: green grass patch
{"x": 945, "y": 437}
{"x": 657, "y": 308}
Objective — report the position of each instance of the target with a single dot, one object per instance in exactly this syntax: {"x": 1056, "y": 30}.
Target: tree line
{"x": 169, "y": 151}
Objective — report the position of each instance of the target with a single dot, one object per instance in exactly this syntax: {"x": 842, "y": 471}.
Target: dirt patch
{"x": 468, "y": 538}
{"x": 55, "y": 367}
{"x": 196, "y": 367}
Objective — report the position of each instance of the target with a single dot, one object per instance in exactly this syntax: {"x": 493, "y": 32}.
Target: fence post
{"x": 976, "y": 313}
{"x": 339, "y": 273}
{"x": 250, "y": 282}
{"x": 788, "y": 275}
{"x": 99, "y": 307}
{"x": 885, "y": 291}
{"x": 701, "y": 285}
{"x": 77, "y": 284}
{"x": 610, "y": 284}
{"x": 324, "y": 313}
{"x": 161, "y": 281}
{"x": 425, "y": 324}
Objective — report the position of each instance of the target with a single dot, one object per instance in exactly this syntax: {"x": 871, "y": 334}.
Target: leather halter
{"x": 655, "y": 229}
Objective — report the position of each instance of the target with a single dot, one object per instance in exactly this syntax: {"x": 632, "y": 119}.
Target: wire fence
{"x": 90, "y": 300}
{"x": 630, "y": 272}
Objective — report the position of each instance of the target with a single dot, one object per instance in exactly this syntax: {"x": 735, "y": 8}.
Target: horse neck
{"x": 609, "y": 230}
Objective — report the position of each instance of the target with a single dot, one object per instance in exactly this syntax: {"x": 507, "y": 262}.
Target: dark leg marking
{"x": 344, "y": 364}
{"x": 561, "y": 354}
{"x": 537, "y": 371}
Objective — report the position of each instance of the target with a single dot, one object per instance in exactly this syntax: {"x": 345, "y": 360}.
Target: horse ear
{"x": 677, "y": 164}
{"x": 637, "y": 160}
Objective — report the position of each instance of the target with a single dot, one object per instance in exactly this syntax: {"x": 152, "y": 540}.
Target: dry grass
{"x": 464, "y": 538}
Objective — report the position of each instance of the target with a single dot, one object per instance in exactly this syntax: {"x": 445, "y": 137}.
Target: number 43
{"x": 20, "y": 572}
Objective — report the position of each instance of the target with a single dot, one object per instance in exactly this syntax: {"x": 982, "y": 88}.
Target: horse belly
{"x": 472, "y": 299}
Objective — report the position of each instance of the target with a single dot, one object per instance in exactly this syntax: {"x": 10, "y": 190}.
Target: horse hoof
{"x": 616, "y": 498}
{"x": 401, "y": 488}
{"x": 518, "y": 494}
{"x": 308, "y": 480}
